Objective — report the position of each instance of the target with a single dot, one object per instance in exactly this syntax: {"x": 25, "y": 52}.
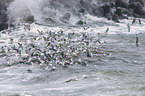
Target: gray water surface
{"x": 115, "y": 68}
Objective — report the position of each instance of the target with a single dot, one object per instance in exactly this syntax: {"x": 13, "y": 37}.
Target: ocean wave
{"x": 50, "y": 12}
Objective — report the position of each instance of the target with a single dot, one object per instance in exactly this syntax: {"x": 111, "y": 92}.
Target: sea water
{"x": 102, "y": 58}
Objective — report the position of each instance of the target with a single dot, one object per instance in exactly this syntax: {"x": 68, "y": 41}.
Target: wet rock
{"x": 112, "y": 4}
{"x": 131, "y": 1}
{"x": 83, "y": 2}
{"x": 98, "y": 11}
{"x": 107, "y": 10}
{"x": 49, "y": 20}
{"x": 3, "y": 26}
{"x": 106, "y": 1}
{"x": 3, "y": 15}
{"x": 3, "y": 5}
{"x": 140, "y": 1}
{"x": 30, "y": 19}
{"x": 108, "y": 16}
{"x": 120, "y": 3}
{"x": 104, "y": 11}
{"x": 136, "y": 15}
{"x": 82, "y": 11}
{"x": 66, "y": 18}
{"x": 134, "y": 8}
{"x": 139, "y": 9}
{"x": 71, "y": 80}
{"x": 127, "y": 12}
{"x": 119, "y": 12}
{"x": 115, "y": 18}
{"x": 80, "y": 22}
{"x": 132, "y": 5}
{"x": 86, "y": 4}
{"x": 3, "y": 20}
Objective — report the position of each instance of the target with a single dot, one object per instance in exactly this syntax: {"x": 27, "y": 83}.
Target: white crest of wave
{"x": 23, "y": 10}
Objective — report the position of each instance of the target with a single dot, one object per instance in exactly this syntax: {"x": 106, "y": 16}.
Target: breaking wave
{"x": 49, "y": 12}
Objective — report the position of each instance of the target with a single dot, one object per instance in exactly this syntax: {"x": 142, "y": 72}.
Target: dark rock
{"x": 3, "y": 26}
{"x": 30, "y": 19}
{"x": 2, "y": 6}
{"x": 85, "y": 1}
{"x": 131, "y": 10}
{"x": 139, "y": 9}
{"x": 3, "y": 16}
{"x": 3, "y": 21}
{"x": 140, "y": 1}
{"x": 98, "y": 11}
{"x": 120, "y": 3}
{"x": 107, "y": 8}
{"x": 138, "y": 6}
{"x": 106, "y": 1}
{"x": 132, "y": 5}
{"x": 136, "y": 15}
{"x": 127, "y": 12}
{"x": 112, "y": 4}
{"x": 115, "y": 18}
{"x": 108, "y": 16}
{"x": 125, "y": 4}
{"x": 86, "y": 4}
{"x": 66, "y": 18}
{"x": 80, "y": 22}
{"x": 50, "y": 20}
{"x": 119, "y": 12}
{"x": 143, "y": 16}
{"x": 131, "y": 1}
{"x": 82, "y": 11}
{"x": 104, "y": 11}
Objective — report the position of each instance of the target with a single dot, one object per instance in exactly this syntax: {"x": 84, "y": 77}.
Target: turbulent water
{"x": 100, "y": 58}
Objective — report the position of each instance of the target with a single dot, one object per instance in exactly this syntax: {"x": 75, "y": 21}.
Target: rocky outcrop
{"x": 3, "y": 16}
{"x": 142, "y": 2}
{"x": 120, "y": 9}
{"x": 111, "y": 9}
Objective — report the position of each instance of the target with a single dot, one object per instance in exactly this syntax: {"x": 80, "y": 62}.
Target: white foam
{"x": 21, "y": 10}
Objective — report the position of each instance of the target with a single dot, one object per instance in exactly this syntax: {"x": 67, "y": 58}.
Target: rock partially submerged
{"x": 80, "y": 22}
{"x": 111, "y": 9}
{"x": 3, "y": 26}
{"x": 3, "y": 17}
{"x": 118, "y": 9}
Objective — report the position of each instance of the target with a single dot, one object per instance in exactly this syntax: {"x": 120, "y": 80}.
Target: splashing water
{"x": 101, "y": 58}
{"x": 49, "y": 12}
